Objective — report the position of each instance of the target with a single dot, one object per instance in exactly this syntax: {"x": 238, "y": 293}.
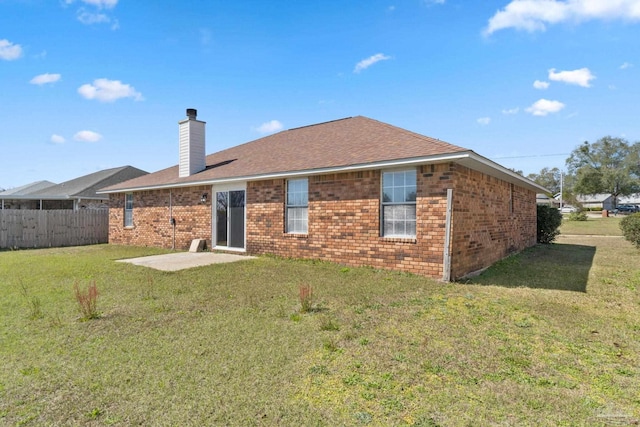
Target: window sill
{"x": 296, "y": 235}
{"x": 129, "y": 227}
{"x": 396, "y": 239}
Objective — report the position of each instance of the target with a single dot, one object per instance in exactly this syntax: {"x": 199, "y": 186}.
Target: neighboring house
{"x": 79, "y": 193}
{"x": 8, "y": 202}
{"x": 543, "y": 199}
{"x": 354, "y": 191}
{"x": 601, "y": 201}
{"x": 632, "y": 199}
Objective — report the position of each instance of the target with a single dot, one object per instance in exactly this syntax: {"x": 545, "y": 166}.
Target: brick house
{"x": 354, "y": 191}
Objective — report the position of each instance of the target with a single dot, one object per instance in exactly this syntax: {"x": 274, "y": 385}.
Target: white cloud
{"x": 9, "y": 51}
{"x": 90, "y": 18}
{"x": 57, "y": 139}
{"x": 540, "y": 85}
{"x": 542, "y": 107}
{"x": 100, "y": 4}
{"x": 511, "y": 111}
{"x": 625, "y": 66}
{"x": 44, "y": 79}
{"x": 106, "y": 90}
{"x": 270, "y": 127}
{"x": 366, "y": 63}
{"x": 535, "y": 15}
{"x": 484, "y": 121}
{"x": 107, "y": 4}
{"x": 580, "y": 77}
{"x": 87, "y": 136}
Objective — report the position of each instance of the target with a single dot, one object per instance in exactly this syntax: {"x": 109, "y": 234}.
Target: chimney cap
{"x": 192, "y": 113}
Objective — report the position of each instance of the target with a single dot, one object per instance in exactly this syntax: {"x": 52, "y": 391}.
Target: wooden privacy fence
{"x": 44, "y": 229}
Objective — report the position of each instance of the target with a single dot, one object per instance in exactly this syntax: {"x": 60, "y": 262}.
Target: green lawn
{"x": 548, "y": 337}
{"x": 593, "y": 226}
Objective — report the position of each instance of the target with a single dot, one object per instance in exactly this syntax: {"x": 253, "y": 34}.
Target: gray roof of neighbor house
{"x": 84, "y": 187}
{"x": 27, "y": 189}
{"x": 593, "y": 198}
{"x": 631, "y": 198}
{"x": 354, "y": 143}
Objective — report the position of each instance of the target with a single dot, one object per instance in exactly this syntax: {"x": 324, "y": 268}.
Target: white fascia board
{"x": 492, "y": 168}
{"x": 35, "y": 198}
{"x": 467, "y": 158}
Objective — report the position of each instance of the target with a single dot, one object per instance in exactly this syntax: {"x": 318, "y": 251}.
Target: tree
{"x": 548, "y": 178}
{"x": 609, "y": 165}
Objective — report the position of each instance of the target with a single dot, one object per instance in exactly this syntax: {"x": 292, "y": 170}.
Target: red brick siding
{"x": 152, "y": 211}
{"x": 485, "y": 228}
{"x": 344, "y": 220}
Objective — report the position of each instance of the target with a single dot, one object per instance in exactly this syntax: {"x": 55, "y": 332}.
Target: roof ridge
{"x": 321, "y": 123}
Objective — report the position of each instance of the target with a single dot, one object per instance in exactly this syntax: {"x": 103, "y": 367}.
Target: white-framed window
{"x": 399, "y": 203}
{"x": 297, "y": 213}
{"x": 128, "y": 210}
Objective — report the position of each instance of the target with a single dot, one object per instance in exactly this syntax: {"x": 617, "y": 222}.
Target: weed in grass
{"x": 87, "y": 301}
{"x": 95, "y": 413}
{"x": 330, "y": 345}
{"x": 305, "y": 294}
{"x": 328, "y": 323}
{"x": 295, "y": 317}
{"x": 55, "y": 321}
{"x": 364, "y": 341}
{"x": 352, "y": 379}
{"x": 33, "y": 302}
{"x": 319, "y": 370}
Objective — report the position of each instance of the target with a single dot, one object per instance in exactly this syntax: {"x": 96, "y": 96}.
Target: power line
{"x": 533, "y": 155}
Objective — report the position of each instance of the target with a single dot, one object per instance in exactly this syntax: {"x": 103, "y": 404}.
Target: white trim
{"x": 466, "y": 158}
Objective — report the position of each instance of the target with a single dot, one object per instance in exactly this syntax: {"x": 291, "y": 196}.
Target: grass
{"x": 594, "y": 225}
{"x": 547, "y": 337}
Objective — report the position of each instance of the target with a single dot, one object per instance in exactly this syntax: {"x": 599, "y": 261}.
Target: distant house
{"x": 78, "y": 193}
{"x": 600, "y": 201}
{"x": 543, "y": 199}
{"x": 632, "y": 199}
{"x": 354, "y": 191}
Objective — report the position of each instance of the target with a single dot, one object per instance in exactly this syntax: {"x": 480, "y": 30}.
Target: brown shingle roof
{"x": 340, "y": 143}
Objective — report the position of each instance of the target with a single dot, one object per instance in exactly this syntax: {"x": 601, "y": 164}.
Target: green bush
{"x": 630, "y": 226}
{"x": 577, "y": 216}
{"x": 548, "y": 222}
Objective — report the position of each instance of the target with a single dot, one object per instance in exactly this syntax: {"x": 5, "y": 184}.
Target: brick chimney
{"x": 192, "y": 150}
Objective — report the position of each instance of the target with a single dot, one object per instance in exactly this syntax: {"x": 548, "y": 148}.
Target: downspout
{"x": 172, "y": 221}
{"x": 446, "y": 264}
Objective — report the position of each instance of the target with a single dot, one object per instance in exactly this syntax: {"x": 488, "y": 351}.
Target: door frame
{"x": 215, "y": 189}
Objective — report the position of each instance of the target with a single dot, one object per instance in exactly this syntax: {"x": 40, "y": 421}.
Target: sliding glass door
{"x": 230, "y": 217}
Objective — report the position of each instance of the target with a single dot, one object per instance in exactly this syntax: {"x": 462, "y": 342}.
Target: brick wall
{"x": 344, "y": 222}
{"x": 152, "y": 211}
{"x": 491, "y": 219}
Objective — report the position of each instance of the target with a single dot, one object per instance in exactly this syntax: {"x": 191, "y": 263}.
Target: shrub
{"x": 306, "y": 298}
{"x": 577, "y": 216}
{"x": 630, "y": 226}
{"x": 87, "y": 302}
{"x": 548, "y": 222}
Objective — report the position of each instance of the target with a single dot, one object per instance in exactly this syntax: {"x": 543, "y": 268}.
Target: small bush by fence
{"x": 52, "y": 228}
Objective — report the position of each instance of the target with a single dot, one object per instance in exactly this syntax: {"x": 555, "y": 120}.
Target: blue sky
{"x": 92, "y": 84}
